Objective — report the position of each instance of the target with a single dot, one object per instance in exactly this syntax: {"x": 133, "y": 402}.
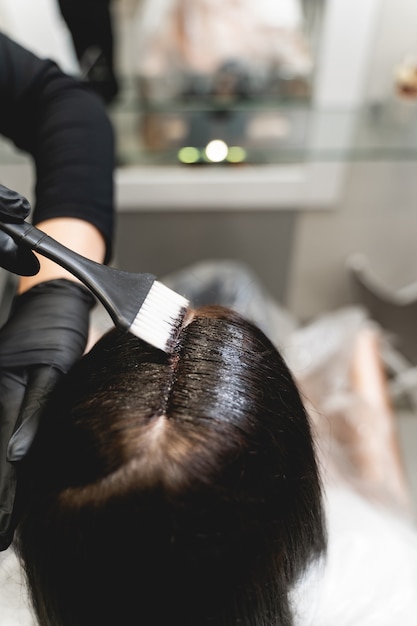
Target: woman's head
{"x": 180, "y": 488}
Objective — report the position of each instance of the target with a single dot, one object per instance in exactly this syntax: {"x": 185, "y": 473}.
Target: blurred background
{"x": 282, "y": 134}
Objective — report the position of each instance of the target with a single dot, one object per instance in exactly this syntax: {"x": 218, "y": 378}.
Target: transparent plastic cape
{"x": 14, "y": 601}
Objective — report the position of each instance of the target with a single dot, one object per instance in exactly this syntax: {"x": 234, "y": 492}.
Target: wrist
{"x": 78, "y": 235}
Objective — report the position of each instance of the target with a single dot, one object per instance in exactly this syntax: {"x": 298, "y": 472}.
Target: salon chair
{"x": 395, "y": 311}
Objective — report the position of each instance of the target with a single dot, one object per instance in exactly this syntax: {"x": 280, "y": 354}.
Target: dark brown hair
{"x": 172, "y": 489}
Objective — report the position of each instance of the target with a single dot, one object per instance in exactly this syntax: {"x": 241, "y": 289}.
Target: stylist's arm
{"x": 66, "y": 130}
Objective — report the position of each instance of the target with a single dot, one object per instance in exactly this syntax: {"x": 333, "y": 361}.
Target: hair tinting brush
{"x": 135, "y": 302}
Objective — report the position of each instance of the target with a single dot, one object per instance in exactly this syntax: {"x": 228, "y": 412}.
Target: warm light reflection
{"x": 216, "y": 150}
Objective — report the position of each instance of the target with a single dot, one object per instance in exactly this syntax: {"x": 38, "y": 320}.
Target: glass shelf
{"x": 262, "y": 132}
{"x": 259, "y": 132}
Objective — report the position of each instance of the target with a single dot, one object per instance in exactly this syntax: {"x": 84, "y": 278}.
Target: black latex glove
{"x": 46, "y": 333}
{"x": 15, "y": 208}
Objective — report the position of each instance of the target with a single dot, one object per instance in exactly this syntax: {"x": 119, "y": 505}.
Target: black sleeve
{"x": 65, "y": 127}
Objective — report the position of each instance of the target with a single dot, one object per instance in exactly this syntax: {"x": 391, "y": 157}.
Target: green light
{"x": 188, "y": 155}
{"x": 236, "y": 154}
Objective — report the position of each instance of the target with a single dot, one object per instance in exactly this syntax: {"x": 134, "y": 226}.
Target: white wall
{"x": 396, "y": 37}
{"x": 377, "y": 216}
{"x": 377, "y": 212}
{"x": 38, "y": 25}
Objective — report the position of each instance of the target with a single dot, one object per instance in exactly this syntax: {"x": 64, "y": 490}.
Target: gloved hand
{"x": 46, "y": 333}
{"x": 14, "y": 208}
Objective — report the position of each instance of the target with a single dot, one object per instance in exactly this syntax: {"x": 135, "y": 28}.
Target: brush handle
{"x": 35, "y": 239}
{"x": 114, "y": 288}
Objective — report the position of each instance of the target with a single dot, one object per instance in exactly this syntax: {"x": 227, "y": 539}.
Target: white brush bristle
{"x": 160, "y": 316}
